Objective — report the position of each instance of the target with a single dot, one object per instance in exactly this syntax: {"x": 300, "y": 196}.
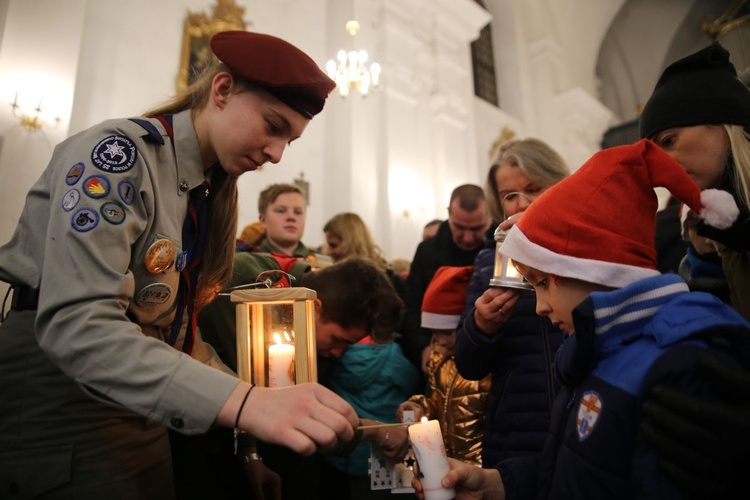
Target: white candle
{"x": 427, "y": 442}
{"x": 280, "y": 363}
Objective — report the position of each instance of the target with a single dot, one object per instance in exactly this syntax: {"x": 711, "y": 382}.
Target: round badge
{"x": 160, "y": 256}
{"x": 71, "y": 199}
{"x": 84, "y": 219}
{"x": 153, "y": 295}
{"x": 126, "y": 190}
{"x": 75, "y": 173}
{"x": 113, "y": 212}
{"x": 114, "y": 154}
{"x": 96, "y": 186}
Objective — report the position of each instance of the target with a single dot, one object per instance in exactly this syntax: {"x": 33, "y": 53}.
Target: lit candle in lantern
{"x": 280, "y": 363}
{"x": 427, "y": 442}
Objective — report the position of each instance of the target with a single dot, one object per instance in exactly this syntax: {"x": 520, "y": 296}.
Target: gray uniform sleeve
{"x": 101, "y": 312}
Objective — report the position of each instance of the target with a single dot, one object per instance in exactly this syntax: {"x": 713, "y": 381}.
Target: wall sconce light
{"x": 506, "y": 274}
{"x": 276, "y": 336}
{"x": 31, "y": 119}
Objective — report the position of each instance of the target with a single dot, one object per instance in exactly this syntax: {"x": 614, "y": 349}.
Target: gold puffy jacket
{"x": 459, "y": 406}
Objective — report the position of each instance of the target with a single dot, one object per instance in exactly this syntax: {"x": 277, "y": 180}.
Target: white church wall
{"x": 38, "y": 61}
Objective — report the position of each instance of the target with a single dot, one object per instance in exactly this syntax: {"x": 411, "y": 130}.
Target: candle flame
{"x": 512, "y": 272}
{"x": 276, "y": 338}
{"x": 287, "y": 337}
{"x": 424, "y": 420}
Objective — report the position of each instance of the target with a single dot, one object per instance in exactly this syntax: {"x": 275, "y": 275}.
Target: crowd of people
{"x": 616, "y": 371}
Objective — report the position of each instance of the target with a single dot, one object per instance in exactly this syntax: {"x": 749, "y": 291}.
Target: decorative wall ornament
{"x": 506, "y": 134}
{"x": 199, "y": 28}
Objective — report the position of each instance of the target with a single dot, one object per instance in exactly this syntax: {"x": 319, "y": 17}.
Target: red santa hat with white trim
{"x": 445, "y": 297}
{"x": 598, "y": 224}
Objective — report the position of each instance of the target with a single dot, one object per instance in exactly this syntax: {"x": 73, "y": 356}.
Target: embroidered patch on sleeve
{"x": 75, "y": 173}
{"x": 589, "y": 412}
{"x": 126, "y": 190}
{"x": 84, "y": 219}
{"x": 71, "y": 199}
{"x": 113, "y": 212}
{"x": 115, "y": 154}
{"x": 96, "y": 186}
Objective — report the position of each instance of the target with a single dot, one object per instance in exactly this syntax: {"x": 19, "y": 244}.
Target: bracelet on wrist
{"x": 250, "y": 457}
{"x": 237, "y": 430}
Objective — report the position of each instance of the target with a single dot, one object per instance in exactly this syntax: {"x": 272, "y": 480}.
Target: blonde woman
{"x": 347, "y": 235}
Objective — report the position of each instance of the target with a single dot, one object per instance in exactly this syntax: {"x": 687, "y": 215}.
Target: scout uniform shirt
{"x": 100, "y": 236}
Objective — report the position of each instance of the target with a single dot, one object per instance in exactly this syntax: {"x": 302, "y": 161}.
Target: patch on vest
{"x": 153, "y": 295}
{"x": 159, "y": 256}
{"x": 588, "y": 413}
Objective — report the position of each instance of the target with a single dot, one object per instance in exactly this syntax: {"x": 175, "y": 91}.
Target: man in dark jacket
{"x": 456, "y": 243}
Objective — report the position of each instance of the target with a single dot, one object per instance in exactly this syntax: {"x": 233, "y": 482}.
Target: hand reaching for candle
{"x": 470, "y": 482}
{"x": 393, "y": 441}
{"x": 492, "y": 309}
{"x": 410, "y": 406}
{"x": 301, "y": 417}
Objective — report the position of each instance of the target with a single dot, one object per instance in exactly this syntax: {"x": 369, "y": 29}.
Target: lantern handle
{"x": 262, "y": 280}
{"x": 229, "y": 290}
{"x": 264, "y": 276}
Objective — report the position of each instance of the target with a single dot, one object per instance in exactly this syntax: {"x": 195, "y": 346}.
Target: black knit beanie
{"x": 700, "y": 89}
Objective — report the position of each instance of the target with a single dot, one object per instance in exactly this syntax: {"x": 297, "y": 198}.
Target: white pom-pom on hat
{"x": 719, "y": 208}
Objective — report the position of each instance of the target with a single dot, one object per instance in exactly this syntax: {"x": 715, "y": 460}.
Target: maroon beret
{"x": 276, "y": 66}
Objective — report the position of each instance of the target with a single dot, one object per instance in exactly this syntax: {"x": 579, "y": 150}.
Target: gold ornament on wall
{"x": 506, "y": 135}
{"x": 199, "y": 28}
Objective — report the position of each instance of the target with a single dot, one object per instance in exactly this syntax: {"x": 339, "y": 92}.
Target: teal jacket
{"x": 375, "y": 379}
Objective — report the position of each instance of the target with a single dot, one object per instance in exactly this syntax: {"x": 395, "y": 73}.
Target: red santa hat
{"x": 445, "y": 297}
{"x": 598, "y": 225}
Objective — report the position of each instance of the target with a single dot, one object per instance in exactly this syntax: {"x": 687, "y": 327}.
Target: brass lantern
{"x": 506, "y": 274}
{"x": 276, "y": 336}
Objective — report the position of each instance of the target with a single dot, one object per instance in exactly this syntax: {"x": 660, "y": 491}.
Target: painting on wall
{"x": 199, "y": 28}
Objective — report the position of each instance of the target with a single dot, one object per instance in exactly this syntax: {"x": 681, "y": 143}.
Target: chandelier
{"x": 351, "y": 71}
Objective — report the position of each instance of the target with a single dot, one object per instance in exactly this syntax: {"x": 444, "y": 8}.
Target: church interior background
{"x": 458, "y": 77}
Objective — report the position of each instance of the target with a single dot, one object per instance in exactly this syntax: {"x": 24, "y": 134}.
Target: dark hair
{"x": 469, "y": 197}
{"x": 357, "y": 293}
{"x": 433, "y": 222}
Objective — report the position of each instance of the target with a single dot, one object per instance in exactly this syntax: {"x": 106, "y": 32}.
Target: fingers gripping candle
{"x": 427, "y": 442}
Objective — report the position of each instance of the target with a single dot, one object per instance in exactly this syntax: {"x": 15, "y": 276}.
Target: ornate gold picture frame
{"x": 199, "y": 28}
